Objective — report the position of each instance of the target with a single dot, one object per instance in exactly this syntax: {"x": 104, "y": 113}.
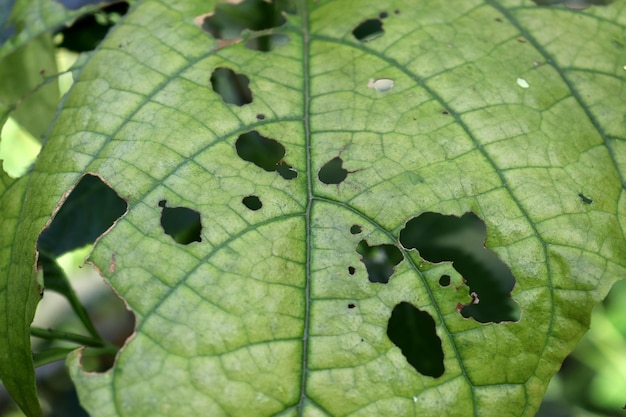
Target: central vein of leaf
{"x": 309, "y": 176}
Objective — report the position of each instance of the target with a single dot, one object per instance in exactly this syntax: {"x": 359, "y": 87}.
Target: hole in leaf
{"x": 286, "y": 171}
{"x": 444, "y": 280}
{"x": 229, "y": 19}
{"x": 181, "y": 223}
{"x": 333, "y": 172}
{"x": 355, "y": 229}
{"x": 573, "y": 4}
{"x": 265, "y": 153}
{"x": 260, "y": 116}
{"x": 379, "y": 260}
{"x": 585, "y": 199}
{"x": 461, "y": 240}
{"x": 88, "y": 211}
{"x": 86, "y": 33}
{"x": 266, "y": 43}
{"x": 252, "y": 202}
{"x": 383, "y": 15}
{"x": 232, "y": 87}
{"x": 413, "y": 331}
{"x": 351, "y": 305}
{"x": 368, "y": 30}
{"x": 351, "y": 270}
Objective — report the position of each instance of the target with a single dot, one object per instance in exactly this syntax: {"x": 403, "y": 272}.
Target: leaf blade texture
{"x": 255, "y": 319}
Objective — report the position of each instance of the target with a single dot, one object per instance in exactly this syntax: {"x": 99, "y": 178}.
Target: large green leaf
{"x": 501, "y": 108}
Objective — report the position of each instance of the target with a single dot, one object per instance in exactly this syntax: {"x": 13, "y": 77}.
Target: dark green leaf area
{"x": 91, "y": 208}
{"x": 232, "y": 87}
{"x": 181, "y": 223}
{"x": 263, "y": 152}
{"x": 333, "y": 172}
{"x": 413, "y": 331}
{"x": 461, "y": 240}
{"x": 379, "y": 260}
{"x": 229, "y": 20}
{"x": 368, "y": 30}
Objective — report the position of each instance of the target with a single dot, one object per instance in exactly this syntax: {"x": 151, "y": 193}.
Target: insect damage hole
{"x": 229, "y": 19}
{"x": 87, "y": 212}
{"x": 461, "y": 240}
{"x": 181, "y": 223}
{"x": 232, "y": 87}
{"x": 266, "y": 153}
{"x": 414, "y": 332}
{"x": 252, "y": 202}
{"x": 368, "y": 30}
{"x": 379, "y": 260}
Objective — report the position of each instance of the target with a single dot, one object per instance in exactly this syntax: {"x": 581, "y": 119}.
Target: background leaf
{"x": 255, "y": 319}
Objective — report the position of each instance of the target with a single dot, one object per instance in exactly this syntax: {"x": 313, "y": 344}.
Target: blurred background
{"x": 591, "y": 382}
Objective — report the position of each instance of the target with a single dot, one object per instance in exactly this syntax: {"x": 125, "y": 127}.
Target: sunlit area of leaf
{"x": 18, "y": 149}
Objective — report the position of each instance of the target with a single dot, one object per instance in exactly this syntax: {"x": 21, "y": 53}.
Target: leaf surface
{"x": 264, "y": 316}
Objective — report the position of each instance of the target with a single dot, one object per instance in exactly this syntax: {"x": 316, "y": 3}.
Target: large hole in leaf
{"x": 86, "y": 33}
{"x": 368, "y": 30}
{"x": 265, "y": 153}
{"x": 90, "y": 209}
{"x": 232, "y": 87}
{"x": 379, "y": 260}
{"x": 574, "y": 4}
{"x": 181, "y": 223}
{"x": 413, "y": 331}
{"x": 333, "y": 172}
{"x": 230, "y": 18}
{"x": 461, "y": 240}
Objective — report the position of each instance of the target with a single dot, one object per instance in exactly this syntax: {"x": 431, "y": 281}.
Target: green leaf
{"x": 500, "y": 108}
{"x": 26, "y": 86}
{"x": 19, "y": 294}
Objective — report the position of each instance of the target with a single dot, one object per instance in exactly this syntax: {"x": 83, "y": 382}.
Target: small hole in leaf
{"x": 351, "y": 270}
{"x": 414, "y": 332}
{"x": 264, "y": 152}
{"x": 232, "y": 87}
{"x": 355, "y": 229}
{"x": 368, "y": 30}
{"x": 446, "y": 112}
{"x": 286, "y": 171}
{"x": 379, "y": 260}
{"x": 383, "y": 15}
{"x": 333, "y": 172}
{"x": 86, "y": 33}
{"x": 585, "y": 199}
{"x": 229, "y": 18}
{"x": 266, "y": 43}
{"x": 181, "y": 223}
{"x": 252, "y": 202}
{"x": 260, "y": 116}
{"x": 444, "y": 280}
{"x": 461, "y": 240}
{"x": 351, "y": 305}
{"x": 396, "y": 11}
